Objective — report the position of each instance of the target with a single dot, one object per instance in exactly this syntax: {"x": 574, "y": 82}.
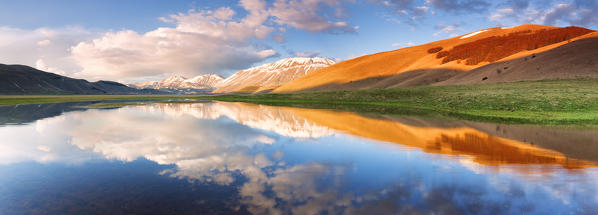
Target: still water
{"x": 238, "y": 158}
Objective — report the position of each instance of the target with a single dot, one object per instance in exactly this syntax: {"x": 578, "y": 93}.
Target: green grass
{"x": 556, "y": 102}
{"x": 549, "y": 102}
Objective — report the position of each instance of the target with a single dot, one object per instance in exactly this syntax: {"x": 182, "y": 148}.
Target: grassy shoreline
{"x": 550, "y": 102}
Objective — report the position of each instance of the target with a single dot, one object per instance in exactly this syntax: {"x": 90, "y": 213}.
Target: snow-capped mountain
{"x": 208, "y": 81}
{"x": 272, "y": 75}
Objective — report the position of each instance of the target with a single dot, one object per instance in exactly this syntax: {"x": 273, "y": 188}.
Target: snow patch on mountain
{"x": 473, "y": 34}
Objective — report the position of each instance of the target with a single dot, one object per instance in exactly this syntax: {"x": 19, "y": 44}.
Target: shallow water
{"x": 238, "y": 158}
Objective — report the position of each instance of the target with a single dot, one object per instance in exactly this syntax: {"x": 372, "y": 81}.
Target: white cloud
{"x": 310, "y": 15}
{"x": 447, "y": 29}
{"x": 581, "y": 13}
{"x": 41, "y": 65}
{"x": 403, "y": 44}
{"x": 307, "y": 54}
{"x": 44, "y": 42}
{"x": 279, "y": 38}
{"x": 204, "y": 41}
{"x": 51, "y": 46}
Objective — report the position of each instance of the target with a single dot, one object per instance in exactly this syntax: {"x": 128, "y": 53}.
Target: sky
{"x": 140, "y": 40}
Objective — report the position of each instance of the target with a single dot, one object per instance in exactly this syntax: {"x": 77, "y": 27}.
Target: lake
{"x": 239, "y": 158}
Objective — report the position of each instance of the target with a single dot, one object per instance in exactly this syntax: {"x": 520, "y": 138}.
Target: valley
{"x": 530, "y": 74}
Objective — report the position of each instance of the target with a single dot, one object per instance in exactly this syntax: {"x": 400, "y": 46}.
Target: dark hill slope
{"x": 22, "y": 80}
{"x": 576, "y": 59}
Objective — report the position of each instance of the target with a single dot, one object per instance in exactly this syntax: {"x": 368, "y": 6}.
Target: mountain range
{"x": 269, "y": 76}
{"x": 256, "y": 79}
{"x": 181, "y": 84}
{"x": 500, "y": 54}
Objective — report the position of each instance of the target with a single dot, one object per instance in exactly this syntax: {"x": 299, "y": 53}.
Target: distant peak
{"x": 176, "y": 77}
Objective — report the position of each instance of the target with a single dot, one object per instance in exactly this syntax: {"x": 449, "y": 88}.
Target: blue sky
{"x": 139, "y": 40}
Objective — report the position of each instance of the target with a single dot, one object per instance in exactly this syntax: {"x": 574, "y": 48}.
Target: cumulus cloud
{"x": 43, "y": 48}
{"x": 205, "y": 41}
{"x": 44, "y": 42}
{"x": 412, "y": 11}
{"x": 311, "y": 15}
{"x": 448, "y": 29}
{"x": 460, "y": 6}
{"x": 404, "y": 44}
{"x": 202, "y": 42}
{"x": 279, "y": 38}
{"x": 507, "y": 13}
{"x": 307, "y": 54}
{"x": 552, "y": 12}
{"x": 41, "y": 65}
{"x": 404, "y": 8}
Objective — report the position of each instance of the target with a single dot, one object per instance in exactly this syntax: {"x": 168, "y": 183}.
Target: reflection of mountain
{"x": 21, "y": 114}
{"x": 275, "y": 119}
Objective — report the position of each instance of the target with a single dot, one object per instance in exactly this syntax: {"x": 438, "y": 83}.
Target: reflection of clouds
{"x": 204, "y": 150}
{"x": 296, "y": 189}
{"x": 210, "y": 151}
{"x": 43, "y": 141}
{"x": 127, "y": 135}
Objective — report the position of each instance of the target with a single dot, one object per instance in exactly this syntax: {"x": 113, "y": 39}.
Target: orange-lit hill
{"x": 442, "y": 61}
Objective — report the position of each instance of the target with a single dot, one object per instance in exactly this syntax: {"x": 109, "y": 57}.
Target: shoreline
{"x": 544, "y": 102}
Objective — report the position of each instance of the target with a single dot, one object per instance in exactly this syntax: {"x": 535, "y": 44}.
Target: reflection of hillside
{"x": 21, "y": 114}
{"x": 495, "y": 151}
{"x": 485, "y": 149}
{"x": 577, "y": 143}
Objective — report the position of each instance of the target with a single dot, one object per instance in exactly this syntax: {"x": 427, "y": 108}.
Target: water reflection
{"x": 281, "y": 160}
{"x": 483, "y": 148}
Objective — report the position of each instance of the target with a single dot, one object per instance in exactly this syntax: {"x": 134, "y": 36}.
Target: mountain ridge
{"x": 23, "y": 80}
{"x": 269, "y": 76}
